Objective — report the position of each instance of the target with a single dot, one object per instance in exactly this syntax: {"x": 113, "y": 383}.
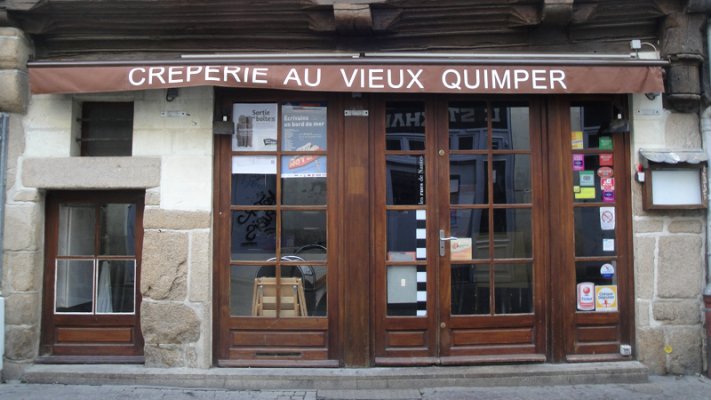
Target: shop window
{"x": 106, "y": 129}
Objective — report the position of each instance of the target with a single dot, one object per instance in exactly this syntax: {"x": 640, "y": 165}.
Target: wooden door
{"x": 459, "y": 274}
{"x": 91, "y": 309}
{"x": 276, "y": 242}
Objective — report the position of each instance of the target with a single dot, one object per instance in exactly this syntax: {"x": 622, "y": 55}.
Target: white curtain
{"x": 103, "y": 297}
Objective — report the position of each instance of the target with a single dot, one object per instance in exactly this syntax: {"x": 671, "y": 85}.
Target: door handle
{"x": 442, "y": 239}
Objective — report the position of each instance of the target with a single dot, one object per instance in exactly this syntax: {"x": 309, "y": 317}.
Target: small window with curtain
{"x": 106, "y": 129}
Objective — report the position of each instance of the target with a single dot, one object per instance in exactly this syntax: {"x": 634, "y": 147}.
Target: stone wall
{"x": 669, "y": 250}
{"x": 172, "y": 160}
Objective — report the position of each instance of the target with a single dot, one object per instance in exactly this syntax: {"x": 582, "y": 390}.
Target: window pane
{"x": 405, "y": 126}
{"x": 76, "y": 230}
{"x": 594, "y": 231}
{"x": 470, "y": 289}
{"x": 471, "y": 224}
{"x": 303, "y": 180}
{"x": 405, "y": 177}
{"x": 514, "y": 294}
{"x": 243, "y": 289}
{"x": 116, "y": 286}
{"x": 254, "y": 180}
{"x": 107, "y": 129}
{"x": 510, "y": 123}
{"x": 592, "y": 125}
{"x": 513, "y": 238}
{"x": 407, "y": 290}
{"x": 304, "y": 234}
{"x": 468, "y": 126}
{"x": 308, "y": 283}
{"x": 512, "y": 179}
{"x": 253, "y": 235}
{"x": 304, "y": 127}
{"x": 468, "y": 179}
{"x": 74, "y": 290}
{"x": 118, "y": 226}
{"x": 406, "y": 235}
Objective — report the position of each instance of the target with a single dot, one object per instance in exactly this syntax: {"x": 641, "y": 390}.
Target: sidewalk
{"x": 658, "y": 388}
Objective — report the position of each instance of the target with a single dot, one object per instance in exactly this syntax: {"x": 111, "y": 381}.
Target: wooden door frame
{"x": 89, "y": 352}
{"x": 222, "y": 321}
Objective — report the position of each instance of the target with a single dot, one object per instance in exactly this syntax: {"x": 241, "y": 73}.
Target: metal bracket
{"x": 355, "y": 113}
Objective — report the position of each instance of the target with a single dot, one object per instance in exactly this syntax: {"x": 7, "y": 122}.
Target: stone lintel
{"x": 91, "y": 172}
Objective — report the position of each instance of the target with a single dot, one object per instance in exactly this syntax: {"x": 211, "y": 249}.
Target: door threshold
{"x": 60, "y": 359}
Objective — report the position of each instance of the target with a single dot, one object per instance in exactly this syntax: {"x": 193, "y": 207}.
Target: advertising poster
{"x": 304, "y": 127}
{"x": 255, "y": 127}
{"x": 303, "y": 166}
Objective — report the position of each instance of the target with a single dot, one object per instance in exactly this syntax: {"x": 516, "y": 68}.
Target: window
{"x": 106, "y": 129}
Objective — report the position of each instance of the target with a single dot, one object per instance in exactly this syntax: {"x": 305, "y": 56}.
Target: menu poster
{"x": 304, "y": 127}
{"x": 255, "y": 127}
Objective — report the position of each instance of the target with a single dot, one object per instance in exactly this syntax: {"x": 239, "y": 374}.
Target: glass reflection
{"x": 74, "y": 290}
{"x": 116, "y": 286}
{"x": 468, "y": 179}
{"x": 309, "y": 284}
{"x": 118, "y": 224}
{"x": 405, "y": 126}
{"x": 513, "y": 237}
{"x": 403, "y": 230}
{"x": 590, "y": 239}
{"x": 253, "y": 235}
{"x": 470, "y": 289}
{"x": 405, "y": 176}
{"x": 591, "y": 271}
{"x": 468, "y": 126}
{"x": 304, "y": 191}
{"x": 76, "y": 230}
{"x": 512, "y": 179}
{"x": 243, "y": 289}
{"x": 303, "y": 234}
{"x": 474, "y": 224}
{"x": 510, "y": 125}
{"x": 513, "y": 293}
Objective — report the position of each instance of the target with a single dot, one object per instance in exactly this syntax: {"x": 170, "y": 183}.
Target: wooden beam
{"x": 22, "y": 5}
{"x": 557, "y": 12}
{"x": 353, "y": 18}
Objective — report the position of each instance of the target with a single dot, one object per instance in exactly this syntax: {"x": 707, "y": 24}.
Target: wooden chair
{"x": 291, "y": 297}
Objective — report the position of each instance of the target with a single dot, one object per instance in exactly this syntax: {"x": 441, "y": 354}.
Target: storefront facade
{"x": 370, "y": 210}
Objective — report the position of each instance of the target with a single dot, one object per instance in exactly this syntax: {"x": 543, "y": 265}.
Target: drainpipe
{"x": 4, "y": 129}
{"x": 706, "y": 137}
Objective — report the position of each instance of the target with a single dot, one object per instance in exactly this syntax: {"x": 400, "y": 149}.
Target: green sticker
{"x": 605, "y": 143}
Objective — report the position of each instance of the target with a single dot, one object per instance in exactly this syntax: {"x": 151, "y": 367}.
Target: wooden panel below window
{"x": 279, "y": 339}
{"x": 473, "y": 337}
{"x": 94, "y": 335}
{"x": 405, "y": 339}
{"x": 605, "y": 333}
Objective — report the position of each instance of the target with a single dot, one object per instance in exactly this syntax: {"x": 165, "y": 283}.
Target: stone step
{"x": 341, "y": 378}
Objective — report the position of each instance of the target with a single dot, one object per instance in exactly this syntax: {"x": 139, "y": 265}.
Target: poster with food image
{"x": 255, "y": 127}
{"x": 304, "y": 127}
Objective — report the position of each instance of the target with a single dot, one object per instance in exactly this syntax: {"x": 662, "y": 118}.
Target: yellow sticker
{"x": 586, "y": 193}
{"x": 668, "y": 349}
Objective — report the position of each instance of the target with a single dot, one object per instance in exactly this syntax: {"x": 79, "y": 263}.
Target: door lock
{"x": 442, "y": 241}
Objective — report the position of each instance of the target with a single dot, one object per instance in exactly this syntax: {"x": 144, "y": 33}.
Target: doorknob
{"x": 442, "y": 239}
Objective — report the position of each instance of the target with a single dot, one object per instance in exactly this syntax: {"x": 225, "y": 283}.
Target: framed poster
{"x": 255, "y": 127}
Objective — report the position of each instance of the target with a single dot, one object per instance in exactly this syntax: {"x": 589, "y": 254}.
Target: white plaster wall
{"x": 181, "y": 133}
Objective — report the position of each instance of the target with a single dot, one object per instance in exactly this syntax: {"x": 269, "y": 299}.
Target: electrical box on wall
{"x": 674, "y": 179}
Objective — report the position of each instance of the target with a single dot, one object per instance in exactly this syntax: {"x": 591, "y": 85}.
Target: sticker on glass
{"x": 461, "y": 249}
{"x": 607, "y": 218}
{"x": 608, "y": 197}
{"x": 606, "y": 160}
{"x": 587, "y": 178}
{"x": 576, "y": 140}
{"x": 606, "y": 298}
{"x": 578, "y": 162}
{"x": 605, "y": 143}
{"x": 586, "y": 296}
{"x": 607, "y": 270}
{"x": 608, "y": 244}
{"x": 605, "y": 172}
{"x": 607, "y": 184}
{"x": 586, "y": 193}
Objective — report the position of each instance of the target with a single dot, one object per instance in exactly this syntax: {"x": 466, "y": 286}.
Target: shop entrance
{"x": 459, "y": 258}
{"x": 357, "y": 230}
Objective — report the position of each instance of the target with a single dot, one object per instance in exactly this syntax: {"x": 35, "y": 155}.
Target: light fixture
{"x": 171, "y": 94}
